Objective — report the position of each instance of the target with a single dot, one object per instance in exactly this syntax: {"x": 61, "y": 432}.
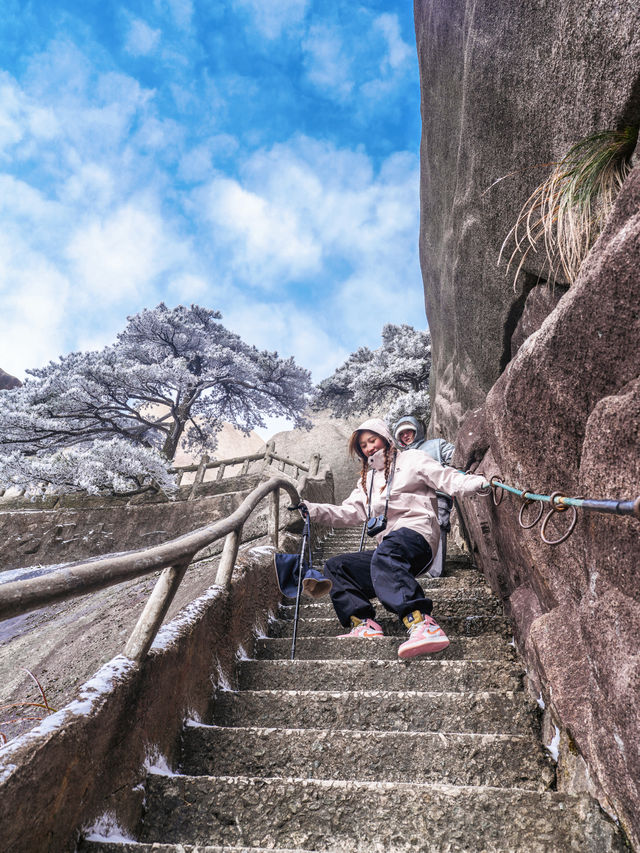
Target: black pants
{"x": 388, "y": 573}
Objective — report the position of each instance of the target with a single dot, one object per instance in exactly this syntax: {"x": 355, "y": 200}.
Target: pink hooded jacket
{"x": 412, "y": 501}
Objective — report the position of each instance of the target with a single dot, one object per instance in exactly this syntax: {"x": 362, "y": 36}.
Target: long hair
{"x": 356, "y": 450}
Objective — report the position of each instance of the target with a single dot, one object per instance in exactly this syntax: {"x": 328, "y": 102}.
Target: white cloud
{"x": 23, "y": 118}
{"x": 362, "y": 226}
{"x": 120, "y": 257}
{"x": 398, "y": 51}
{"x": 141, "y": 39}
{"x": 287, "y": 328}
{"x": 90, "y": 185}
{"x": 189, "y": 288}
{"x": 328, "y": 66}
{"x": 35, "y": 300}
{"x": 267, "y": 238}
{"x": 180, "y": 11}
{"x": 272, "y": 17}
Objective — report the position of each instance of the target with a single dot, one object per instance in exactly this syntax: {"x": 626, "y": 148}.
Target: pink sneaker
{"x": 365, "y": 628}
{"x": 425, "y": 636}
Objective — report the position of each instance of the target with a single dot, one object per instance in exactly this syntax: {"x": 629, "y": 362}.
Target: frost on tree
{"x": 113, "y": 419}
{"x": 393, "y": 379}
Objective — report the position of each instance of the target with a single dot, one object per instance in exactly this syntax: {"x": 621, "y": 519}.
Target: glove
{"x": 302, "y": 507}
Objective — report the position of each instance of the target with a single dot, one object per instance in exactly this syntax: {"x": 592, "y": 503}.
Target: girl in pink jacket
{"x": 397, "y": 494}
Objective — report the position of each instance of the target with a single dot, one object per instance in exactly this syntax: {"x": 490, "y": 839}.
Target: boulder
{"x": 329, "y": 437}
{"x": 565, "y": 416}
{"x": 7, "y": 381}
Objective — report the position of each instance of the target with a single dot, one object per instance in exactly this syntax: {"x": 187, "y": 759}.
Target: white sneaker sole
{"x": 422, "y": 648}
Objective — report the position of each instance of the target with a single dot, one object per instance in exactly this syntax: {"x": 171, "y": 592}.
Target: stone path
{"x": 346, "y": 748}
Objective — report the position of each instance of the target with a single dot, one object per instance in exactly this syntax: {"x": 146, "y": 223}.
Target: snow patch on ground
{"x": 241, "y": 654}
{"x": 187, "y": 617}
{"x": 5, "y": 772}
{"x": 156, "y": 764}
{"x": 540, "y": 701}
{"x": 194, "y": 716}
{"x": 555, "y": 743}
{"x": 106, "y": 828}
{"x": 10, "y": 575}
{"x": 220, "y": 680}
{"x": 262, "y": 550}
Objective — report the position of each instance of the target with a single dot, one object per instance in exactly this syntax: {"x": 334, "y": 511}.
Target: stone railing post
{"x": 228, "y": 558}
{"x": 199, "y": 478}
{"x": 154, "y": 612}
{"x": 274, "y": 516}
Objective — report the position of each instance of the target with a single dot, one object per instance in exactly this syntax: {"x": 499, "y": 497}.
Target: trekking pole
{"x": 306, "y": 541}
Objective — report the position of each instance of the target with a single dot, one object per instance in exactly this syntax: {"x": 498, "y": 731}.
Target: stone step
{"x": 422, "y": 673}
{"x": 456, "y": 759}
{"x": 342, "y": 816}
{"x": 453, "y": 626}
{"x": 448, "y": 601}
{"x": 490, "y": 712}
{"x": 483, "y": 647}
{"x": 137, "y": 847}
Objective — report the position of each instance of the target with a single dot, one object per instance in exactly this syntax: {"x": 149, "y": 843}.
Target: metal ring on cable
{"x": 494, "y": 490}
{"x": 557, "y": 508}
{"x": 554, "y": 506}
{"x": 525, "y": 503}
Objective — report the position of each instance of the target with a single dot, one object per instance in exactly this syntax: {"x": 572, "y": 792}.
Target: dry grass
{"x": 37, "y": 716}
{"x": 566, "y": 213}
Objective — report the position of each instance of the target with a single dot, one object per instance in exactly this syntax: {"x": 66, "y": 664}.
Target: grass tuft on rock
{"x": 566, "y": 213}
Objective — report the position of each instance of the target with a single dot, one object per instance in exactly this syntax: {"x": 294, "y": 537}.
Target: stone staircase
{"x": 346, "y": 748}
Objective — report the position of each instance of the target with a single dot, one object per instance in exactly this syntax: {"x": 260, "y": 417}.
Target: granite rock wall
{"x": 565, "y": 416}
{"x": 507, "y": 88}
{"x": 540, "y": 383}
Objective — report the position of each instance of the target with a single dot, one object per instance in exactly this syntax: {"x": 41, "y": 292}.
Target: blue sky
{"x": 259, "y": 157}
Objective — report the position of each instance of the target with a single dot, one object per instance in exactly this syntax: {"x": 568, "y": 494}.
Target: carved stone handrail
{"x": 172, "y": 557}
{"x": 268, "y": 454}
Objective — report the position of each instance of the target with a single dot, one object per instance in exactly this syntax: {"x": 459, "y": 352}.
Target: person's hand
{"x": 301, "y": 507}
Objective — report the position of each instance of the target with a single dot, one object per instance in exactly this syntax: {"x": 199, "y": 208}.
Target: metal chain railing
{"x": 558, "y": 503}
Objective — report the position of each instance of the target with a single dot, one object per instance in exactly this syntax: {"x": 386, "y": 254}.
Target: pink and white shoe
{"x": 425, "y": 636}
{"x": 365, "y": 628}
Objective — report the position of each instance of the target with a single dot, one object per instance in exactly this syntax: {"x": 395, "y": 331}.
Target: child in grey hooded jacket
{"x": 409, "y": 435}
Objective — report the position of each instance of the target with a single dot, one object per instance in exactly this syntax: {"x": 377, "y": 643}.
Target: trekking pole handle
{"x": 301, "y": 507}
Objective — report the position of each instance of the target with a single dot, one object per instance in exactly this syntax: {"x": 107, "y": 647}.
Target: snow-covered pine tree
{"x": 112, "y": 418}
{"x": 392, "y": 380}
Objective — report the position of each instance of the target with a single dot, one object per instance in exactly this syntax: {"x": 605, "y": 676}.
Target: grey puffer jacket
{"x": 412, "y": 500}
{"x": 438, "y": 448}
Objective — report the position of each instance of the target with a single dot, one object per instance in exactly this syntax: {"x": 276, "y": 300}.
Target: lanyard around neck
{"x": 373, "y": 474}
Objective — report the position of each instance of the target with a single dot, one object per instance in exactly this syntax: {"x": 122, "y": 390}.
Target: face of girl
{"x": 407, "y": 436}
{"x": 370, "y": 442}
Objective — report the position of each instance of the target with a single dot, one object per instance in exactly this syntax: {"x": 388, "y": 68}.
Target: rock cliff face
{"x": 506, "y": 89}
{"x": 329, "y": 437}
{"x": 543, "y": 383}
